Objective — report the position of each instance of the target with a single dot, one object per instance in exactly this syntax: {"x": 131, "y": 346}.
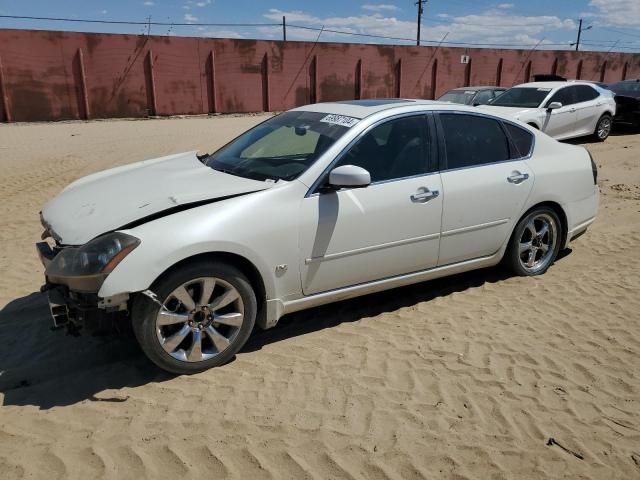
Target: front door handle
{"x": 518, "y": 177}
{"x": 424, "y": 195}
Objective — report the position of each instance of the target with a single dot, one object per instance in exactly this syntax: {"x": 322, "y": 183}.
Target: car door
{"x": 388, "y": 228}
{"x": 561, "y": 122}
{"x": 485, "y": 182}
{"x": 588, "y": 106}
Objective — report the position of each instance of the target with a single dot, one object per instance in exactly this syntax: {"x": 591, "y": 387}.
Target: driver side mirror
{"x": 349, "y": 176}
{"x": 554, "y": 105}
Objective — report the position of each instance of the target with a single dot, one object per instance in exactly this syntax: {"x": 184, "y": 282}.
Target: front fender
{"x": 143, "y": 266}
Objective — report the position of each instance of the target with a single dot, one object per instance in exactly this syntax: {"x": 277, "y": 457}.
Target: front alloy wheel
{"x": 204, "y": 315}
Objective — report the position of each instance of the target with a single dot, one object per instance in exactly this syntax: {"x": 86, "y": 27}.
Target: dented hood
{"x": 114, "y": 198}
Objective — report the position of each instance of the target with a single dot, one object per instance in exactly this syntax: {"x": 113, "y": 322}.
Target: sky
{"x": 610, "y": 25}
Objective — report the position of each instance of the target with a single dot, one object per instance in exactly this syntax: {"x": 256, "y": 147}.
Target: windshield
{"x": 458, "y": 96}
{"x": 626, "y": 88}
{"x": 522, "y": 97}
{"x": 282, "y": 147}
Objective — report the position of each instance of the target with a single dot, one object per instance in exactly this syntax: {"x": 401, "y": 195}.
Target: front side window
{"x": 483, "y": 97}
{"x": 473, "y": 140}
{"x": 566, "y": 96}
{"x": 282, "y": 147}
{"x": 523, "y": 97}
{"x": 463, "y": 97}
{"x": 392, "y": 150}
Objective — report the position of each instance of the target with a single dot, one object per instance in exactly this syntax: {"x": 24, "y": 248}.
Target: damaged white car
{"x": 318, "y": 204}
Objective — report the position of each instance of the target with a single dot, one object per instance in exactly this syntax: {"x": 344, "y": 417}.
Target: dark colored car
{"x": 627, "y": 101}
{"x": 472, "y": 95}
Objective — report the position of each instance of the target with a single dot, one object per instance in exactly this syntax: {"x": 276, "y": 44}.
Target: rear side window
{"x": 473, "y": 140}
{"x": 585, "y": 93}
{"x": 522, "y": 140}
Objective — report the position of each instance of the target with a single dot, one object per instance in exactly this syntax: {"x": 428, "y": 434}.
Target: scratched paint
{"x": 41, "y": 78}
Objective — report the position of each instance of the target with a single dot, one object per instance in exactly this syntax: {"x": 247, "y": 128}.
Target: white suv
{"x": 560, "y": 109}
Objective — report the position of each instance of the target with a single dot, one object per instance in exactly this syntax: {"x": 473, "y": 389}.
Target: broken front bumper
{"x": 75, "y": 309}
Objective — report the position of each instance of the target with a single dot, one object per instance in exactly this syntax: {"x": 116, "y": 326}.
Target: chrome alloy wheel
{"x": 199, "y": 319}
{"x": 604, "y": 128}
{"x": 537, "y": 242}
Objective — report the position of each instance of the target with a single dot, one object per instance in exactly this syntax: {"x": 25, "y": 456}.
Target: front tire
{"x": 603, "y": 128}
{"x": 535, "y": 242}
{"x": 203, "y": 315}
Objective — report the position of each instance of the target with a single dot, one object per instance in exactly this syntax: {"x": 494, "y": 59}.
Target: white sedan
{"x": 318, "y": 204}
{"x": 560, "y": 109}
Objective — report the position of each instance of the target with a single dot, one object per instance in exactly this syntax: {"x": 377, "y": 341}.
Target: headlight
{"x": 85, "y": 268}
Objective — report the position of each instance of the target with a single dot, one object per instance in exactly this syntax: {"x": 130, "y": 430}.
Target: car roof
{"x": 555, "y": 84}
{"x": 364, "y": 108}
{"x": 478, "y": 88}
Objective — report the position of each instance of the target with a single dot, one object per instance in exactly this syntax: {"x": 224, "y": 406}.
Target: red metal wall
{"x": 46, "y": 75}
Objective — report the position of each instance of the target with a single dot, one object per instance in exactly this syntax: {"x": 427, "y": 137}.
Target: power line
{"x": 146, "y": 23}
{"x": 338, "y": 32}
{"x": 406, "y": 39}
{"x": 618, "y": 31}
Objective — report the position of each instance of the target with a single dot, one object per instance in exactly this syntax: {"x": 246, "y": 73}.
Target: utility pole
{"x": 420, "y": 4}
{"x": 579, "y": 32}
{"x": 580, "y": 29}
{"x": 284, "y": 28}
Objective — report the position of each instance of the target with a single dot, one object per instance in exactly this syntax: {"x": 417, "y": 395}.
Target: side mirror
{"x": 349, "y": 176}
{"x": 554, "y": 105}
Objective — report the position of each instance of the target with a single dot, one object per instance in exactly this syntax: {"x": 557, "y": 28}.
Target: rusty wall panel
{"x": 138, "y": 75}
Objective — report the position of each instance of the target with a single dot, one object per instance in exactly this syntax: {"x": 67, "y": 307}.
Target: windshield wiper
{"x": 257, "y": 176}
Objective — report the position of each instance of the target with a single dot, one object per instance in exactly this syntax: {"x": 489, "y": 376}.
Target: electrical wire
{"x": 337, "y": 32}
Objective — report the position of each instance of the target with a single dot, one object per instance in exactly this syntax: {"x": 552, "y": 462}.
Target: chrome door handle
{"x": 518, "y": 177}
{"x": 424, "y": 195}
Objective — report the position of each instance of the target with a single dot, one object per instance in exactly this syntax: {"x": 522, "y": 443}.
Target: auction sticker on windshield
{"x": 340, "y": 120}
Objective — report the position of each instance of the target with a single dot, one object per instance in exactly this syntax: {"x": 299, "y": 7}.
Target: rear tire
{"x": 202, "y": 316}
{"x": 603, "y": 128}
{"x": 535, "y": 243}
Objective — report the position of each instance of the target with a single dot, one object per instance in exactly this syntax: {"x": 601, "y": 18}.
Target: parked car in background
{"x": 472, "y": 95}
{"x": 318, "y": 204}
{"x": 560, "y": 109}
{"x": 627, "y": 96}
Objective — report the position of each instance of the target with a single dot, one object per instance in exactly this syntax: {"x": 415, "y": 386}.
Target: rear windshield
{"x": 458, "y": 96}
{"x": 282, "y": 147}
{"x": 626, "y": 88}
{"x": 523, "y": 97}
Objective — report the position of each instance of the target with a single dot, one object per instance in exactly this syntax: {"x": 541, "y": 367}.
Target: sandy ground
{"x": 466, "y": 377}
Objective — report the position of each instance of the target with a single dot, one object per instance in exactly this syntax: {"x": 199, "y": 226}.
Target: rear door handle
{"x": 423, "y": 195}
{"x": 518, "y": 177}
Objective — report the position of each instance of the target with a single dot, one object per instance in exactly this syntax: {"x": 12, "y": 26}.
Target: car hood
{"x": 115, "y": 198}
{"x": 513, "y": 112}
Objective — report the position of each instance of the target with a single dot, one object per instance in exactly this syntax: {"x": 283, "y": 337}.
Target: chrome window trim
{"x": 420, "y": 113}
{"x": 506, "y": 133}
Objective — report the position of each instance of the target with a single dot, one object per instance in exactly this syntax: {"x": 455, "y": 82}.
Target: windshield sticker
{"x": 469, "y": 92}
{"x": 340, "y": 120}
{"x": 544, "y": 89}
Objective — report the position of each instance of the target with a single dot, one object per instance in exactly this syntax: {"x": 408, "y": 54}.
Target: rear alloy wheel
{"x": 203, "y": 315}
{"x": 535, "y": 243}
{"x": 603, "y": 128}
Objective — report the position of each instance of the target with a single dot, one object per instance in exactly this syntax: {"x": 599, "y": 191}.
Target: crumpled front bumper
{"x": 75, "y": 309}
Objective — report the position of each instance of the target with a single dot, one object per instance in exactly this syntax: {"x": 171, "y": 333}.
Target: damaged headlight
{"x": 84, "y": 268}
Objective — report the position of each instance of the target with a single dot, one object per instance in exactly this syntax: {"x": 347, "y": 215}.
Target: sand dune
{"x": 465, "y": 377}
